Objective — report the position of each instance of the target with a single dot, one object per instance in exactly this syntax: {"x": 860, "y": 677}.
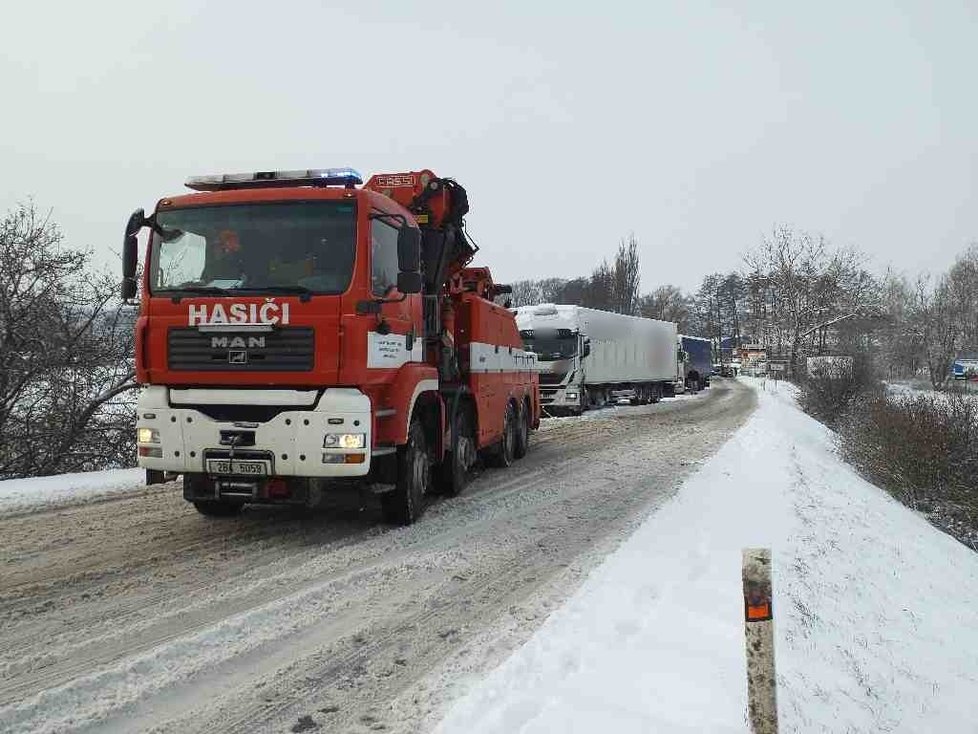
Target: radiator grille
{"x": 289, "y": 349}
{"x": 552, "y": 378}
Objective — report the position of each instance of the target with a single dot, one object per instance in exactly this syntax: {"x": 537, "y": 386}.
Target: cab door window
{"x": 383, "y": 257}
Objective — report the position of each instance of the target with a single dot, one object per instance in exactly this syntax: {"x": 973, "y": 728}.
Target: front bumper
{"x": 289, "y": 436}
{"x": 560, "y": 396}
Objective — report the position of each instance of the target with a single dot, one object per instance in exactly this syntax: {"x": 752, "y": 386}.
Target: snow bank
{"x": 875, "y": 613}
{"x": 17, "y": 495}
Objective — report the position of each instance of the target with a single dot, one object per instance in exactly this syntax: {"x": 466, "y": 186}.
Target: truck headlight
{"x": 147, "y": 435}
{"x": 572, "y": 396}
{"x": 345, "y": 440}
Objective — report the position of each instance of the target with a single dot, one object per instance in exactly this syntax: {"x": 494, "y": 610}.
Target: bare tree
{"x": 574, "y": 292}
{"x": 938, "y": 327}
{"x": 962, "y": 285}
{"x": 66, "y": 356}
{"x": 625, "y": 277}
{"x": 803, "y": 290}
{"x": 526, "y": 293}
{"x": 600, "y": 289}
{"x": 707, "y": 309}
{"x": 552, "y": 290}
{"x": 545, "y": 290}
{"x": 667, "y": 303}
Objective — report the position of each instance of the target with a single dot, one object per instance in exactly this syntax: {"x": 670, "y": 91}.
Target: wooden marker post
{"x": 762, "y": 704}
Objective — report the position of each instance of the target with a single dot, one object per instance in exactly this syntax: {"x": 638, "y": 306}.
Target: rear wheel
{"x": 522, "y": 433}
{"x": 503, "y": 454}
{"x": 453, "y": 472}
{"x": 406, "y": 503}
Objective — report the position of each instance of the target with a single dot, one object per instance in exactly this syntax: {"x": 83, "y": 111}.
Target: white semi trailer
{"x": 588, "y": 357}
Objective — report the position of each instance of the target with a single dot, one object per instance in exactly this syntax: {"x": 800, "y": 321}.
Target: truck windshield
{"x": 269, "y": 247}
{"x": 550, "y": 347}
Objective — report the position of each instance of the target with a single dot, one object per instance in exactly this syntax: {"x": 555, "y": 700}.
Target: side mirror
{"x": 130, "y": 254}
{"x": 587, "y": 348}
{"x": 409, "y": 282}
{"x": 408, "y": 251}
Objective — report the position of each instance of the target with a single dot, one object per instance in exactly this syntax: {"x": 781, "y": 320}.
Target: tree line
{"x": 798, "y": 295}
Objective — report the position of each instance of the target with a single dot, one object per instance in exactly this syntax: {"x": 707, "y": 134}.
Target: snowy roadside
{"x": 903, "y": 389}
{"x": 875, "y": 615}
{"x": 18, "y": 495}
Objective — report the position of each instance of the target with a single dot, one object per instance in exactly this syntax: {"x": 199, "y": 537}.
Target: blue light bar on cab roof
{"x": 273, "y": 179}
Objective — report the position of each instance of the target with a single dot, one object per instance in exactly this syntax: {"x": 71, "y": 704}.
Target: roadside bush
{"x": 66, "y": 355}
{"x": 827, "y": 394}
{"x": 922, "y": 448}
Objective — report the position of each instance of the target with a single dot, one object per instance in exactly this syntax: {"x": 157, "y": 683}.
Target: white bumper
{"x": 292, "y": 439}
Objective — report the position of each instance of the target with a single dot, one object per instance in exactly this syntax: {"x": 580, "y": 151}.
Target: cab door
{"x": 396, "y": 339}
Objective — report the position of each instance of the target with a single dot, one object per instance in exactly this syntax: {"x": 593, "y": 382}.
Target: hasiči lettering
{"x": 238, "y": 313}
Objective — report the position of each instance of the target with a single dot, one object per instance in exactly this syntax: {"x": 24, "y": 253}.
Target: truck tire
{"x": 406, "y": 503}
{"x": 452, "y": 475}
{"x": 503, "y": 454}
{"x": 218, "y": 508}
{"x": 522, "y": 445}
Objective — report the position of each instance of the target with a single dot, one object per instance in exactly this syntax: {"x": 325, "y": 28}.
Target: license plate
{"x": 242, "y": 467}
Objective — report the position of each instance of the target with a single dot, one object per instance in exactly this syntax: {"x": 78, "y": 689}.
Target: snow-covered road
{"x": 131, "y": 612}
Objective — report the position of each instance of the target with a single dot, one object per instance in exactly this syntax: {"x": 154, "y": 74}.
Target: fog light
{"x": 147, "y": 435}
{"x": 345, "y": 440}
{"x": 277, "y": 489}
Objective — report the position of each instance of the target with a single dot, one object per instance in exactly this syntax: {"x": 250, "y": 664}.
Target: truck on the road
{"x": 696, "y": 362}
{"x": 589, "y": 357}
{"x": 300, "y": 328}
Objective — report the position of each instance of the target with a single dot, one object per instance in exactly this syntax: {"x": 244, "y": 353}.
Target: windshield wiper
{"x": 192, "y": 290}
{"x": 304, "y": 293}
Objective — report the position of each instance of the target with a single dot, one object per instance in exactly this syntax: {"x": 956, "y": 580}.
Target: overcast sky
{"x": 570, "y": 124}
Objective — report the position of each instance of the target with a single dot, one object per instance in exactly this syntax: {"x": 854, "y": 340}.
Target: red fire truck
{"x": 299, "y": 328}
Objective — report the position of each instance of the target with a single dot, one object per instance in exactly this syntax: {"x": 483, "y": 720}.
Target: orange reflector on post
{"x": 759, "y": 612}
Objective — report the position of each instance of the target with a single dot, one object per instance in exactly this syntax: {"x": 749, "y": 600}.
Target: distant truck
{"x": 588, "y": 357}
{"x": 696, "y": 363}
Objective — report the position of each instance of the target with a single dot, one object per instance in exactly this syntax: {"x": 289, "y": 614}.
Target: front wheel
{"x": 406, "y": 503}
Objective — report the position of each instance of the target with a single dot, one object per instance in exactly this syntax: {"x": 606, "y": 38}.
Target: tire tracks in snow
{"x": 315, "y": 609}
